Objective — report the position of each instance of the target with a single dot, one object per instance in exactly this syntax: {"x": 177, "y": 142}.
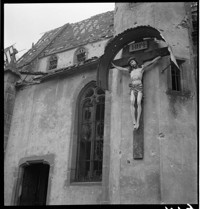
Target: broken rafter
{"x": 43, "y": 47}
{"x": 33, "y": 73}
{"x": 26, "y": 83}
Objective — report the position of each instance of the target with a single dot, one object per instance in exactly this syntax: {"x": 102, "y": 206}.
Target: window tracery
{"x": 90, "y": 135}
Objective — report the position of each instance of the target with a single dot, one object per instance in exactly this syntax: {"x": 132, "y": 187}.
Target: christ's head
{"x": 132, "y": 63}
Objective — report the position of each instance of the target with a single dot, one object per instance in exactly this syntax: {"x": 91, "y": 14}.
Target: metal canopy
{"x": 128, "y": 36}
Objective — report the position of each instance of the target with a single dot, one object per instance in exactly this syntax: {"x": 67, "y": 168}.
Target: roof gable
{"x": 36, "y": 49}
{"x": 69, "y": 36}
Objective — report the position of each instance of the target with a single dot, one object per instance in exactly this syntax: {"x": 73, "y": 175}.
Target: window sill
{"x": 178, "y": 93}
{"x": 52, "y": 69}
{"x": 85, "y": 183}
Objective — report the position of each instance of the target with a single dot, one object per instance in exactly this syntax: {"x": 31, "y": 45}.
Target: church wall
{"x": 115, "y": 136}
{"x": 168, "y": 171}
{"x": 134, "y": 181}
{"x": 139, "y": 179}
{"x": 66, "y": 58}
{"x": 9, "y": 100}
{"x": 42, "y": 124}
{"x": 178, "y": 144}
{"x": 164, "y": 16}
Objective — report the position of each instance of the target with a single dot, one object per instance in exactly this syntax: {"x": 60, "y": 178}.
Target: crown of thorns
{"x": 130, "y": 59}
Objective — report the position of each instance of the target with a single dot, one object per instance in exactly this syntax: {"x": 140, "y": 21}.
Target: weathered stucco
{"x": 168, "y": 172}
{"x": 42, "y": 124}
{"x": 178, "y": 145}
{"x": 44, "y": 118}
{"x": 10, "y": 78}
{"x": 66, "y": 58}
{"x": 166, "y": 17}
{"x": 133, "y": 181}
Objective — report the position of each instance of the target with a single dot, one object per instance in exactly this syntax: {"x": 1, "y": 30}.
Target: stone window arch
{"x": 88, "y": 149}
{"x": 53, "y": 62}
{"x": 80, "y": 55}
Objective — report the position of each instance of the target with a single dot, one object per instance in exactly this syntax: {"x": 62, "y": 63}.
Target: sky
{"x": 25, "y": 24}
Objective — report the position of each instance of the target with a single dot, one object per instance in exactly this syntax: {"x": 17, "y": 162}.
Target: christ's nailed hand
{"x": 113, "y": 64}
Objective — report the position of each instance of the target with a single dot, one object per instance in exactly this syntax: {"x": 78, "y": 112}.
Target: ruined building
{"x": 68, "y": 131}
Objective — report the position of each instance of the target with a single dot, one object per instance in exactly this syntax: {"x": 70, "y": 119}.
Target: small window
{"x": 175, "y": 81}
{"x": 80, "y": 55}
{"x": 175, "y": 78}
{"x": 53, "y": 62}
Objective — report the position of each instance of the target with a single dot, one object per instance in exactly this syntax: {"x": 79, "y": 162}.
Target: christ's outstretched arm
{"x": 146, "y": 64}
{"x": 119, "y": 68}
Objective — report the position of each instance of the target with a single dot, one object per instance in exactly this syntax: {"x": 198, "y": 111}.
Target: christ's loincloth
{"x": 136, "y": 88}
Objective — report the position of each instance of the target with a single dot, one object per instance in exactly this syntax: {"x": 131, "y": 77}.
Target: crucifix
{"x": 136, "y": 34}
{"x": 136, "y": 71}
{"x": 136, "y": 87}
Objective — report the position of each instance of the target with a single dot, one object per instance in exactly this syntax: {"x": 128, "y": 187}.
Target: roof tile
{"x": 71, "y": 36}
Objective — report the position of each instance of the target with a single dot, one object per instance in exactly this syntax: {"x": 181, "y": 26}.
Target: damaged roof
{"x": 70, "y": 36}
{"x": 36, "y": 49}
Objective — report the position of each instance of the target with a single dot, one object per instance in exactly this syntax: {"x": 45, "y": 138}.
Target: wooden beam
{"x": 142, "y": 56}
{"x": 138, "y": 139}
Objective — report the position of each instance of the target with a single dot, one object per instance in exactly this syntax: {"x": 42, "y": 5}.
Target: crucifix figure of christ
{"x": 136, "y": 87}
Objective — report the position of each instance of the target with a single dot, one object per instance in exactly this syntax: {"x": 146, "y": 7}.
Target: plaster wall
{"x": 115, "y": 137}
{"x": 178, "y": 144}
{"x": 164, "y": 16}
{"x": 139, "y": 179}
{"x": 43, "y": 122}
{"x": 41, "y": 125}
{"x": 134, "y": 181}
{"x": 9, "y": 100}
{"x": 168, "y": 172}
{"x": 66, "y": 58}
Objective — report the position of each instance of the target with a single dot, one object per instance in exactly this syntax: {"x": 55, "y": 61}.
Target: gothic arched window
{"x": 89, "y": 157}
{"x": 53, "y": 61}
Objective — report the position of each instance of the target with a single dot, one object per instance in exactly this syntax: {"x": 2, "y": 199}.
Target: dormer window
{"x": 53, "y": 61}
{"x": 80, "y": 55}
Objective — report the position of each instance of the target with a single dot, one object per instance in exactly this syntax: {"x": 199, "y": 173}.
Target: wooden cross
{"x": 138, "y": 134}
{"x": 138, "y": 138}
{"x": 142, "y": 57}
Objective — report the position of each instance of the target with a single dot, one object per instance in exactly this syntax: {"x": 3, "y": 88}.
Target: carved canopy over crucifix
{"x": 133, "y": 34}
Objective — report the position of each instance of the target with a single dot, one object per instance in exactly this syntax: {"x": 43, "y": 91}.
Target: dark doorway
{"x": 34, "y": 184}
